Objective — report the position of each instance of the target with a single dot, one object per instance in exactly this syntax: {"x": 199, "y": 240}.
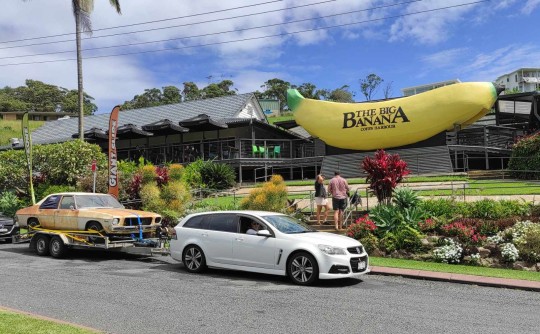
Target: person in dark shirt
{"x": 320, "y": 198}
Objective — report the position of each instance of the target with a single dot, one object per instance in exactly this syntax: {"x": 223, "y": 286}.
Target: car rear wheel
{"x": 303, "y": 269}
{"x": 57, "y": 248}
{"x": 193, "y": 259}
{"x": 42, "y": 245}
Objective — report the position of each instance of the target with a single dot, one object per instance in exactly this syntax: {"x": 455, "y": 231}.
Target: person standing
{"x": 320, "y": 198}
{"x": 338, "y": 187}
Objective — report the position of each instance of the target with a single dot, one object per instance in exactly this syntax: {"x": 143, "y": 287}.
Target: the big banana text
{"x": 395, "y": 122}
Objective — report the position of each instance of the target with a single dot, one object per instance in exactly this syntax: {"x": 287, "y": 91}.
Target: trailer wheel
{"x": 57, "y": 247}
{"x": 42, "y": 245}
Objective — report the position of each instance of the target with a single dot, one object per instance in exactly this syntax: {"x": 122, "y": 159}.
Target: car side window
{"x": 67, "y": 203}
{"x": 51, "y": 202}
{"x": 223, "y": 222}
{"x": 197, "y": 222}
{"x": 245, "y": 224}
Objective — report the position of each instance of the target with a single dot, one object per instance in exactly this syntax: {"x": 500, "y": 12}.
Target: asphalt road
{"x": 123, "y": 293}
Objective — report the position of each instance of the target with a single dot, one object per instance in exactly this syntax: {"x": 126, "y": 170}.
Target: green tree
{"x": 275, "y": 89}
{"x": 191, "y": 92}
{"x": 342, "y": 94}
{"x": 310, "y": 91}
{"x": 369, "y": 85}
{"x": 171, "y": 95}
{"x": 222, "y": 88}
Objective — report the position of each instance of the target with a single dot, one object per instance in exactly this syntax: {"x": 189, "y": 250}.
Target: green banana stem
{"x": 294, "y": 98}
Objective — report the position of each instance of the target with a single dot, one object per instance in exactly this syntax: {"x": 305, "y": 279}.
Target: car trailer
{"x": 58, "y": 242}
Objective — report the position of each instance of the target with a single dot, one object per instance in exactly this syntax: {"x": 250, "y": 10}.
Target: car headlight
{"x": 115, "y": 221}
{"x": 330, "y": 250}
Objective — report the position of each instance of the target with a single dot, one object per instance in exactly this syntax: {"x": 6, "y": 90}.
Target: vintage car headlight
{"x": 115, "y": 221}
{"x": 331, "y": 250}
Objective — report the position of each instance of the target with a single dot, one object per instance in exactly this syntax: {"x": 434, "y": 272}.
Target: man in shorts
{"x": 338, "y": 187}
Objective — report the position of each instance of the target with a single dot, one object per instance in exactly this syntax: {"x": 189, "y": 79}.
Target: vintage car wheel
{"x": 193, "y": 259}
{"x": 57, "y": 248}
{"x": 42, "y": 245}
{"x": 303, "y": 269}
{"x": 95, "y": 226}
{"x": 33, "y": 222}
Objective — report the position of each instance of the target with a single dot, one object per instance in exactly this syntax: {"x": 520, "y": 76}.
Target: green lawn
{"x": 488, "y": 188}
{"x": 15, "y": 323}
{"x": 454, "y": 268}
{"x": 412, "y": 179}
{"x": 13, "y": 129}
{"x": 275, "y": 119}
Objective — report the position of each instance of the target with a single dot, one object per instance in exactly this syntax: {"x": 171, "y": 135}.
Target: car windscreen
{"x": 286, "y": 224}
{"x": 97, "y": 201}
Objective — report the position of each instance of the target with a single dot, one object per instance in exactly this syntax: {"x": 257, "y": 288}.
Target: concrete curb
{"x": 458, "y": 278}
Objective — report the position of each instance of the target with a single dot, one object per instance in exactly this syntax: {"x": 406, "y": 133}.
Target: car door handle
{"x": 239, "y": 239}
{"x": 204, "y": 234}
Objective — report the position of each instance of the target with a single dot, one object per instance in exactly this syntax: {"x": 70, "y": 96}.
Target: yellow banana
{"x": 396, "y": 122}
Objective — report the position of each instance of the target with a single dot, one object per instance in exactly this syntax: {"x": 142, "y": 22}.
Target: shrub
{"x": 509, "y": 252}
{"x": 387, "y": 218}
{"x": 175, "y": 172}
{"x": 527, "y": 242}
{"x": 361, "y": 228}
{"x": 389, "y": 242}
{"x": 428, "y": 225}
{"x": 272, "y": 196}
{"x": 443, "y": 207}
{"x": 176, "y": 191}
{"x": 192, "y": 174}
{"x": 45, "y": 189}
{"x": 450, "y": 252}
{"x": 85, "y": 183}
{"x": 409, "y": 239}
{"x": 406, "y": 198}
{"x": 370, "y": 242}
{"x": 9, "y": 204}
{"x": 385, "y": 171}
{"x": 148, "y": 174}
{"x": 150, "y": 196}
{"x": 217, "y": 176}
{"x": 525, "y": 158}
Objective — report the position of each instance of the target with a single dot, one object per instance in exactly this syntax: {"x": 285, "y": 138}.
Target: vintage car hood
{"x": 117, "y": 212}
{"x": 326, "y": 239}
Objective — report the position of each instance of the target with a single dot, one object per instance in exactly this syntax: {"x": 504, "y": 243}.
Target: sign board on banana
{"x": 395, "y": 122}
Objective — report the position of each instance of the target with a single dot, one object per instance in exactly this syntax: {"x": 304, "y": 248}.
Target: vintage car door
{"x": 65, "y": 217}
{"x": 47, "y": 210}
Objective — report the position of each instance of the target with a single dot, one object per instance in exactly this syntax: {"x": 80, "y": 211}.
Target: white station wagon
{"x": 268, "y": 243}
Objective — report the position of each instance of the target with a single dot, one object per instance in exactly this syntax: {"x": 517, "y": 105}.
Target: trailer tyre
{"x": 42, "y": 245}
{"x": 57, "y": 248}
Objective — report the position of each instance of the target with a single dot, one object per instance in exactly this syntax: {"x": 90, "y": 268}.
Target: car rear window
{"x": 51, "y": 202}
{"x": 215, "y": 222}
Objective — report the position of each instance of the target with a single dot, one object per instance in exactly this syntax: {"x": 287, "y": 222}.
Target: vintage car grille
{"x": 356, "y": 250}
{"x": 134, "y": 221}
{"x": 354, "y": 264}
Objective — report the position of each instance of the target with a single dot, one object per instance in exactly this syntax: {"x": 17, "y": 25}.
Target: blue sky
{"x": 478, "y": 41}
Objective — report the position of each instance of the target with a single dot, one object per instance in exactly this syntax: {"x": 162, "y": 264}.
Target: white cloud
{"x": 530, "y": 6}
{"x": 446, "y": 58}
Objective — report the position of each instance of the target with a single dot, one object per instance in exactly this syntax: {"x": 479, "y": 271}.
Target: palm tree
{"x": 81, "y": 12}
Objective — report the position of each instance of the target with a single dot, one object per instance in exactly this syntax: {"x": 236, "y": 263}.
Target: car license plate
{"x": 361, "y": 265}
{"x": 3, "y": 229}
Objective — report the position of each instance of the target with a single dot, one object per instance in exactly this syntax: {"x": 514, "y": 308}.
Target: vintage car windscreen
{"x": 286, "y": 224}
{"x": 97, "y": 201}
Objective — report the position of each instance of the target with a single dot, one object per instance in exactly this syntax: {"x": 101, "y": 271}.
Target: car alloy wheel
{"x": 193, "y": 259}
{"x": 303, "y": 269}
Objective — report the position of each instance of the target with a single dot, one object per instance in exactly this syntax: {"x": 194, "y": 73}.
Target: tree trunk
{"x": 79, "y": 75}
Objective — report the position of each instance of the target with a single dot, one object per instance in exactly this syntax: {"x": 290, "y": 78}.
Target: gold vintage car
{"x": 86, "y": 212}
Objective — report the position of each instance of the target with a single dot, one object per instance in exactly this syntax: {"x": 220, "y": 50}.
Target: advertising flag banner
{"x": 27, "y": 140}
{"x": 113, "y": 157}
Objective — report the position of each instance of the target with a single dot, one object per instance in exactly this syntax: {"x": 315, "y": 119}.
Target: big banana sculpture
{"x": 396, "y": 122}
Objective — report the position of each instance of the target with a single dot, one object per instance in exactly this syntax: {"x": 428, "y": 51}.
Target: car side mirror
{"x": 264, "y": 233}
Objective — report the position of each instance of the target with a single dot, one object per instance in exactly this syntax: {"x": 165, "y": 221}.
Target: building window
{"x": 516, "y": 78}
{"x": 508, "y": 79}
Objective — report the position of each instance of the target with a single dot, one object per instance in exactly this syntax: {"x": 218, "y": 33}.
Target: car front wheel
{"x": 193, "y": 259}
{"x": 303, "y": 269}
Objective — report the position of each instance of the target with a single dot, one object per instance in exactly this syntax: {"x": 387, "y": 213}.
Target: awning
{"x": 164, "y": 127}
{"x": 131, "y": 131}
{"x": 93, "y": 134}
{"x": 202, "y": 122}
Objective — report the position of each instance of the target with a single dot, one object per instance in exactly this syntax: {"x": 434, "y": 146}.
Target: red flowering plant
{"x": 428, "y": 225}
{"x": 465, "y": 233}
{"x": 384, "y": 172}
{"x": 162, "y": 177}
{"x": 361, "y": 228}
